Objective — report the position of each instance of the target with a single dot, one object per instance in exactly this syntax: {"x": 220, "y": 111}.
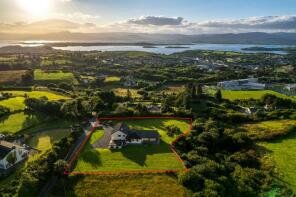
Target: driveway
{"x": 103, "y": 142}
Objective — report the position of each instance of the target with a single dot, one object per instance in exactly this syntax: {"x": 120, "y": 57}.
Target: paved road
{"x": 103, "y": 142}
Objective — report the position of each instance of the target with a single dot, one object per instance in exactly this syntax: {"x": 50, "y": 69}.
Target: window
{"x": 119, "y": 135}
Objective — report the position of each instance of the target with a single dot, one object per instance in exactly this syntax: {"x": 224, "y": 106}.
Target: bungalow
{"x": 121, "y": 136}
{"x": 11, "y": 154}
{"x": 291, "y": 87}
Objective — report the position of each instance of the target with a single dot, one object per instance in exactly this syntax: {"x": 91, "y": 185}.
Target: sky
{"x": 148, "y": 16}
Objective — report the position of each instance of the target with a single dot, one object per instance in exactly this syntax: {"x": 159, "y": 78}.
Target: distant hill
{"x": 20, "y": 49}
{"x": 118, "y": 37}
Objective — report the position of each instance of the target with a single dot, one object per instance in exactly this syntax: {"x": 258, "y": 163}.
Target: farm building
{"x": 11, "y": 154}
{"x": 241, "y": 84}
{"x": 121, "y": 136}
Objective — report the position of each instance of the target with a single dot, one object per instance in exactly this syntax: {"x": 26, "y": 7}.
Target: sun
{"x": 36, "y": 8}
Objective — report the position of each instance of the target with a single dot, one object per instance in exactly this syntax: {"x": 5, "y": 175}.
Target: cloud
{"x": 156, "y": 21}
{"x": 46, "y": 26}
{"x": 76, "y": 16}
{"x": 155, "y": 24}
{"x": 266, "y": 23}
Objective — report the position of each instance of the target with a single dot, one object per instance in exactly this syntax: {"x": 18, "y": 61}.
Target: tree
{"x": 218, "y": 95}
{"x": 193, "y": 91}
{"x": 128, "y": 95}
{"x": 199, "y": 90}
{"x": 60, "y": 165}
{"x": 186, "y": 100}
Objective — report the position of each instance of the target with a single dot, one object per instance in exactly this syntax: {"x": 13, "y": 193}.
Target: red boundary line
{"x": 131, "y": 171}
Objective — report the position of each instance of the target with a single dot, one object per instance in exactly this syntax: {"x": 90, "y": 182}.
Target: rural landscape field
{"x": 136, "y": 158}
{"x": 163, "y": 98}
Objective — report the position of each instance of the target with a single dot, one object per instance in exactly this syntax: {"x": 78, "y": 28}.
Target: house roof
{"x": 6, "y": 147}
{"x": 135, "y": 134}
{"x": 148, "y": 134}
{"x": 121, "y": 127}
{"x": 139, "y": 134}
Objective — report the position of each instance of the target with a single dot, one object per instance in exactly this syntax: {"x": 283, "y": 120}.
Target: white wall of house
{"x": 19, "y": 152}
{"x": 135, "y": 141}
{"x": 118, "y": 136}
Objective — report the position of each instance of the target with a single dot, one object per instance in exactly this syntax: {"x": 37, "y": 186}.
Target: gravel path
{"x": 103, "y": 142}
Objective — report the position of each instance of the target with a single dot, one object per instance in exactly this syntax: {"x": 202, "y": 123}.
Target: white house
{"x": 241, "y": 84}
{"x": 291, "y": 87}
{"x": 11, "y": 154}
{"x": 121, "y": 136}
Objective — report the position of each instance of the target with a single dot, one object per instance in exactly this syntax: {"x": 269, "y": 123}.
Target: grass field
{"x": 267, "y": 129}
{"x": 172, "y": 89}
{"x": 283, "y": 152}
{"x": 123, "y": 186}
{"x": 123, "y": 92}
{"x": 14, "y": 104}
{"x": 112, "y": 79}
{"x": 233, "y": 95}
{"x": 44, "y": 140}
{"x": 150, "y": 157}
{"x": 19, "y": 121}
{"x": 12, "y": 76}
{"x": 58, "y": 76}
{"x": 38, "y": 94}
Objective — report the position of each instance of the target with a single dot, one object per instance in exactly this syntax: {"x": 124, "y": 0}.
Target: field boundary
{"x": 92, "y": 129}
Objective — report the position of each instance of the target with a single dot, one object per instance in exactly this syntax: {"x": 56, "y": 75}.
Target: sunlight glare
{"x": 36, "y": 8}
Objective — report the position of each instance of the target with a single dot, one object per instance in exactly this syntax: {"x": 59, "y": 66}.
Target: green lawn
{"x": 14, "y": 104}
{"x": 133, "y": 157}
{"x": 151, "y": 157}
{"x": 57, "y": 76}
{"x": 37, "y": 94}
{"x": 248, "y": 94}
{"x": 267, "y": 129}
{"x": 19, "y": 121}
{"x": 159, "y": 185}
{"x": 283, "y": 152}
{"x": 44, "y": 140}
{"x": 96, "y": 135}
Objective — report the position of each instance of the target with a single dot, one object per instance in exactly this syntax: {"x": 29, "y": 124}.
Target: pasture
{"x": 38, "y": 94}
{"x": 269, "y": 129}
{"x": 250, "y": 94}
{"x": 112, "y": 79}
{"x": 56, "y": 76}
{"x": 134, "y": 157}
{"x": 123, "y": 186}
{"x": 123, "y": 92}
{"x": 11, "y": 77}
{"x": 282, "y": 152}
{"x": 45, "y": 139}
{"x": 14, "y": 104}
{"x": 19, "y": 121}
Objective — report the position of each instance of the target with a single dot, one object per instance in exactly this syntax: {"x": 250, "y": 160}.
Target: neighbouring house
{"x": 153, "y": 108}
{"x": 242, "y": 84}
{"x": 251, "y": 110}
{"x": 11, "y": 154}
{"x": 291, "y": 87}
{"x": 122, "y": 135}
{"x": 129, "y": 81}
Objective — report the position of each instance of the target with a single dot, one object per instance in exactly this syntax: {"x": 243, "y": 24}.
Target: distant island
{"x": 176, "y": 47}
